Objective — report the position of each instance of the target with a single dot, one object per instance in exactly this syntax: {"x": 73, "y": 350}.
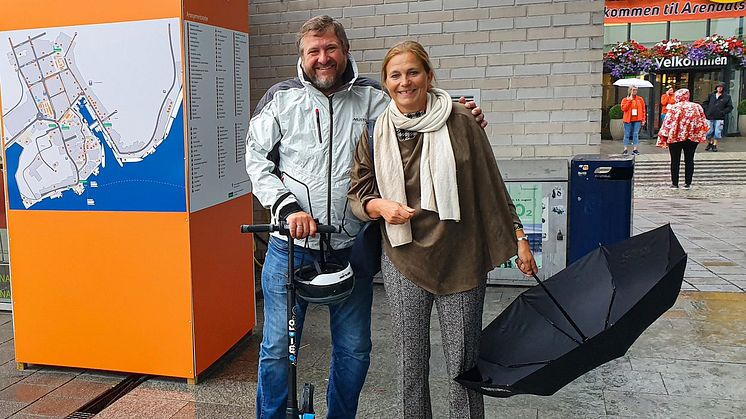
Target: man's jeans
{"x": 716, "y": 128}
{"x": 631, "y": 129}
{"x": 350, "y": 332}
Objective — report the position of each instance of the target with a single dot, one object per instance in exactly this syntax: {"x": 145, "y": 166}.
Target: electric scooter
{"x": 291, "y": 410}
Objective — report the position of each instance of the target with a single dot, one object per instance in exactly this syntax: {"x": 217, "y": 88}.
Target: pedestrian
{"x": 447, "y": 219}
{"x": 666, "y": 101}
{"x": 300, "y": 126}
{"x": 633, "y": 107}
{"x": 684, "y": 128}
{"x": 717, "y": 107}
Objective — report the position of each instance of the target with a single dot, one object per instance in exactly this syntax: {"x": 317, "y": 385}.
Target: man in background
{"x": 717, "y": 106}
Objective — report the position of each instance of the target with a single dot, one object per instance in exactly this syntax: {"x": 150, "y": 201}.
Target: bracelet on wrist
{"x": 522, "y": 238}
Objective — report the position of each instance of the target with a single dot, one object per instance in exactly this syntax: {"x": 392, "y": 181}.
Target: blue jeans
{"x": 350, "y": 333}
{"x": 632, "y": 129}
{"x": 716, "y": 129}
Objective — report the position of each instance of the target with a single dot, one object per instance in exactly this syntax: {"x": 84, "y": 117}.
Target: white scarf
{"x": 438, "y": 188}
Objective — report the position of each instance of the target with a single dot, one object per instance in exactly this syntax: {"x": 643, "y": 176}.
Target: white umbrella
{"x": 633, "y": 82}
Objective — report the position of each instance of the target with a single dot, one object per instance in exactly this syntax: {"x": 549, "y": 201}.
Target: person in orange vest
{"x": 633, "y": 107}
{"x": 667, "y": 99}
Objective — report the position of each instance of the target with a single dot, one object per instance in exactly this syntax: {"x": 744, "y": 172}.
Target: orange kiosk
{"x": 123, "y": 139}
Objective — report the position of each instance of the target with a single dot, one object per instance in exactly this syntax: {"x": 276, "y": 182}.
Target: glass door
{"x": 676, "y": 80}
{"x": 702, "y": 85}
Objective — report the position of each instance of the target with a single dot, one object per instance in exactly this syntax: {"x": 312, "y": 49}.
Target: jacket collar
{"x": 349, "y": 77}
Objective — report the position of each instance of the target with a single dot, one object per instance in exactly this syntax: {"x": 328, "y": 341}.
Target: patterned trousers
{"x": 460, "y": 317}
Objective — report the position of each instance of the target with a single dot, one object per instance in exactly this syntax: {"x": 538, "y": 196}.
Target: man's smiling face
{"x": 323, "y": 59}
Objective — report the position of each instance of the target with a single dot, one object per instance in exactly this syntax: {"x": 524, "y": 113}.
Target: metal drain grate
{"x": 108, "y": 397}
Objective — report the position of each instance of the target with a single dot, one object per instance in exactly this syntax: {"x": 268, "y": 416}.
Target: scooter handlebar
{"x": 283, "y": 228}
{"x": 258, "y": 228}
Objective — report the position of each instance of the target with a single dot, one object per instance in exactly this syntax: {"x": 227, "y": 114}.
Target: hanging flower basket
{"x": 715, "y": 46}
{"x": 669, "y": 48}
{"x": 627, "y": 58}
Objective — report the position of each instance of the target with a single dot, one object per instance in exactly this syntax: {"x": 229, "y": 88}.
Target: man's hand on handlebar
{"x": 301, "y": 225}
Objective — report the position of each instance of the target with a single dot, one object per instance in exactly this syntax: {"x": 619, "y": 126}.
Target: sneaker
{"x": 687, "y": 186}
{"x": 625, "y": 152}
{"x": 636, "y": 152}
{"x": 714, "y": 148}
{"x": 673, "y": 187}
{"x": 709, "y": 146}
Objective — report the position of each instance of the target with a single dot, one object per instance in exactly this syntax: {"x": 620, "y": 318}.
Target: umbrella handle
{"x": 561, "y": 309}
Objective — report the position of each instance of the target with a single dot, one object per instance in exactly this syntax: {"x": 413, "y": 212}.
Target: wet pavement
{"x": 691, "y": 363}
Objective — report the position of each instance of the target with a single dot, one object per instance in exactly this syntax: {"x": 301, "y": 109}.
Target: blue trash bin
{"x": 600, "y": 204}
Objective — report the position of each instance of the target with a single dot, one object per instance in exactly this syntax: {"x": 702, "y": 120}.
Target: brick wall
{"x": 535, "y": 63}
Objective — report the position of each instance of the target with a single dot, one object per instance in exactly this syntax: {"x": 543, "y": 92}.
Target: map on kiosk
{"x": 92, "y": 117}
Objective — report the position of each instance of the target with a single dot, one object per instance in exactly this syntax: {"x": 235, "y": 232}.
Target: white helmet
{"x": 330, "y": 285}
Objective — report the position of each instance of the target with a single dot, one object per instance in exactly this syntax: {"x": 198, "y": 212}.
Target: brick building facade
{"x": 534, "y": 65}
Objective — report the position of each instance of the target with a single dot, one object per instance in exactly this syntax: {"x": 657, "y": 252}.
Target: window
{"x": 725, "y": 27}
{"x": 648, "y": 34}
{"x": 614, "y": 34}
{"x": 688, "y": 31}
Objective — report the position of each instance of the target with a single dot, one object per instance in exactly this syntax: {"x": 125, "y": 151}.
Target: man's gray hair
{"x": 321, "y": 24}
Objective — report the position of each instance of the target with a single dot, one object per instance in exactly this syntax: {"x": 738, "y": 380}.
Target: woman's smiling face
{"x": 407, "y": 82}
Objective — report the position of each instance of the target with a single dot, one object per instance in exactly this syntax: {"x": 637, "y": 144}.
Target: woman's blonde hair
{"x": 417, "y": 50}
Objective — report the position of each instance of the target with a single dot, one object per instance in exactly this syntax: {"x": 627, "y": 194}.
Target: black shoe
{"x": 687, "y": 186}
{"x": 714, "y": 148}
{"x": 673, "y": 187}
{"x": 709, "y": 146}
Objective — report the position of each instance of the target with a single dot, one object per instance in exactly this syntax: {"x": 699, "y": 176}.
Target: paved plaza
{"x": 691, "y": 363}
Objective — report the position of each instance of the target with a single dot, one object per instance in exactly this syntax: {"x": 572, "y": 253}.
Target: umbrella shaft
{"x": 561, "y": 309}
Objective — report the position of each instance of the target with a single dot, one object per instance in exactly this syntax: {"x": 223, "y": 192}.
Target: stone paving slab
{"x": 716, "y": 245}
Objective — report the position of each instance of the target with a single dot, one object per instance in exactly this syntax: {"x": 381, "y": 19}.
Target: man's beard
{"x": 325, "y": 84}
{"x": 329, "y": 83}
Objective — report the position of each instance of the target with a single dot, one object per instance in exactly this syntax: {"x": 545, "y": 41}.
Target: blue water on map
{"x": 157, "y": 183}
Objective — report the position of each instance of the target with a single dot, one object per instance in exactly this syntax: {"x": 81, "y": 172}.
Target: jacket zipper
{"x": 318, "y": 124}
{"x": 329, "y": 171}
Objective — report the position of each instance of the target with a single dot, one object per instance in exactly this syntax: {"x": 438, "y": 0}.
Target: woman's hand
{"x": 525, "y": 260}
{"x": 391, "y": 211}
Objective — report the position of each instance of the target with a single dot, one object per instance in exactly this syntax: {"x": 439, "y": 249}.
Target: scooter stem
{"x": 291, "y": 410}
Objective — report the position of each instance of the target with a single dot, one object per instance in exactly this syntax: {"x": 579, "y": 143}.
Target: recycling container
{"x": 600, "y": 204}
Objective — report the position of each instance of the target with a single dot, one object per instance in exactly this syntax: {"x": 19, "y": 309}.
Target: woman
{"x": 633, "y": 107}
{"x": 447, "y": 221}
{"x": 667, "y": 100}
{"x": 684, "y": 128}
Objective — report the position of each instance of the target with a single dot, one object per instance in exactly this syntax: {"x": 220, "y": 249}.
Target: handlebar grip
{"x": 326, "y": 228}
{"x": 258, "y": 228}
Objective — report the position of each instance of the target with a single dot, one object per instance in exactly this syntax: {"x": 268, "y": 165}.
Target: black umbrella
{"x": 584, "y": 316}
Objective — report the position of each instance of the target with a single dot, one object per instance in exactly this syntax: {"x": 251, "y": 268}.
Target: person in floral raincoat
{"x": 683, "y": 129}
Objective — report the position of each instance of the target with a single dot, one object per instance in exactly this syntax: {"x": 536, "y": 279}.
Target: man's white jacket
{"x": 294, "y": 129}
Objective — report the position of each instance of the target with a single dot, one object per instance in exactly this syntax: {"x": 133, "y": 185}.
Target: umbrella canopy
{"x": 632, "y": 82}
{"x": 582, "y": 317}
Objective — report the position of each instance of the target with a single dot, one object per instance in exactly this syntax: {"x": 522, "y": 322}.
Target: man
{"x": 667, "y": 100}
{"x": 717, "y": 106}
{"x": 296, "y": 127}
